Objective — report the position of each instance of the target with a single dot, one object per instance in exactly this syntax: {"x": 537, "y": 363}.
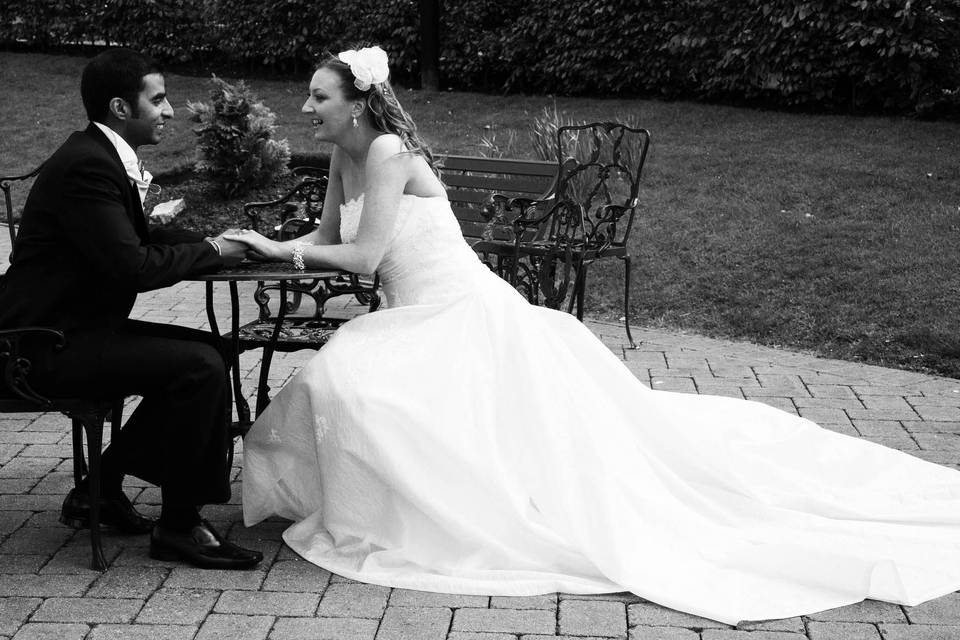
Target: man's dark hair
{"x": 114, "y": 73}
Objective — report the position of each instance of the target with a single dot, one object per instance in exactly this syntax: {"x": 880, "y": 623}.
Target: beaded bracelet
{"x": 297, "y": 257}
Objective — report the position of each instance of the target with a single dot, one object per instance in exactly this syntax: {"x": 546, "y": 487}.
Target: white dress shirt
{"x": 140, "y": 178}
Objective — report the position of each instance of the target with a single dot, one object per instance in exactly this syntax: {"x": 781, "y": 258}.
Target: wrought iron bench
{"x": 588, "y": 217}
{"x": 479, "y": 190}
{"x": 18, "y": 396}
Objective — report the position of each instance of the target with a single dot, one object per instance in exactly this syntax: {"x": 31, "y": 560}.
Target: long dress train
{"x": 464, "y": 441}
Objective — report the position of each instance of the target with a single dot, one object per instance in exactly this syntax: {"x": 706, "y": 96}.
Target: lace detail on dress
{"x": 350, "y": 219}
{"x": 427, "y": 260}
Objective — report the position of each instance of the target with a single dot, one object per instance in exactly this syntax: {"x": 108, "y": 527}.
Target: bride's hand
{"x": 260, "y": 247}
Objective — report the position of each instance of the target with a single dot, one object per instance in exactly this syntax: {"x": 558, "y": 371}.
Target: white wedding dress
{"x": 464, "y": 441}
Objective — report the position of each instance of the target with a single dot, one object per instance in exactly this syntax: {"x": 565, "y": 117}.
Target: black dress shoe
{"x": 116, "y": 512}
{"x": 202, "y": 547}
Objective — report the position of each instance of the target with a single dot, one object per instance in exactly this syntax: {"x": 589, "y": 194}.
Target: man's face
{"x": 145, "y": 123}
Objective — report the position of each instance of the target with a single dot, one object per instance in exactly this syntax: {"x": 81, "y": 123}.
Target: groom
{"x": 82, "y": 254}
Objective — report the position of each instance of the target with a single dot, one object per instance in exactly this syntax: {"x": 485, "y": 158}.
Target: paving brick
{"x": 410, "y": 598}
{"x": 943, "y": 610}
{"x": 902, "y": 443}
{"x": 736, "y": 634}
{"x": 621, "y": 596}
{"x": 414, "y": 623}
{"x": 888, "y": 428}
{"x": 29, "y": 502}
{"x": 127, "y": 582}
{"x": 45, "y": 586}
{"x": 653, "y": 615}
{"x": 469, "y": 635}
{"x": 14, "y": 612}
{"x": 675, "y": 384}
{"x": 222, "y": 579}
{"x": 930, "y": 426}
{"x": 90, "y": 610}
{"x": 22, "y": 563}
{"x": 865, "y": 611}
{"x": 504, "y": 621}
{"x": 270, "y": 603}
{"x": 919, "y": 632}
{"x": 224, "y": 627}
{"x": 11, "y": 520}
{"x": 824, "y": 416}
{"x": 593, "y": 618}
{"x": 42, "y": 541}
{"x": 842, "y": 631}
{"x": 29, "y": 437}
{"x": 17, "y": 485}
{"x": 28, "y": 467}
{"x": 142, "y": 632}
{"x": 662, "y": 633}
{"x": 776, "y": 401}
{"x": 831, "y": 391}
{"x": 51, "y": 631}
{"x": 296, "y": 575}
{"x": 938, "y": 441}
{"x": 786, "y": 624}
{"x": 548, "y": 601}
{"x": 178, "y": 606}
{"x": 58, "y": 483}
{"x": 938, "y": 413}
{"x": 324, "y": 629}
{"x": 353, "y": 600}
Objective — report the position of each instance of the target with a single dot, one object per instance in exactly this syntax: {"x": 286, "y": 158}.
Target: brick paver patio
{"x": 48, "y": 591}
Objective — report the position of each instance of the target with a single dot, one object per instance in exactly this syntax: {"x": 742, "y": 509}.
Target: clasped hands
{"x": 253, "y": 245}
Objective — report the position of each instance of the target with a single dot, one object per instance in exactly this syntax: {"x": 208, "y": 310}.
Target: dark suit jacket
{"x": 84, "y": 250}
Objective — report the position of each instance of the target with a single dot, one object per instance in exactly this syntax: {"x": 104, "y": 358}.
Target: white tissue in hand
{"x": 166, "y": 211}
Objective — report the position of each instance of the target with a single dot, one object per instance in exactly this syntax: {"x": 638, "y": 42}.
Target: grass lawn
{"x": 834, "y": 234}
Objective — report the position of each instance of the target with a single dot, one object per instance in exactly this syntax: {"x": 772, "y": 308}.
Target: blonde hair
{"x": 383, "y": 108}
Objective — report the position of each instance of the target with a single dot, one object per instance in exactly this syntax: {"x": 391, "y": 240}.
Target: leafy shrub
{"x": 235, "y": 144}
{"x": 899, "y": 56}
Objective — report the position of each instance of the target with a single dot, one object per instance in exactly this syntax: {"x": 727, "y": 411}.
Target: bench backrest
{"x": 471, "y": 180}
{"x": 6, "y": 185}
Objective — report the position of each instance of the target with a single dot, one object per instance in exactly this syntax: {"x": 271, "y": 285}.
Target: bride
{"x": 464, "y": 441}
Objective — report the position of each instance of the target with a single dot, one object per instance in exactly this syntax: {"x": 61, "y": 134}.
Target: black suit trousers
{"x": 177, "y": 437}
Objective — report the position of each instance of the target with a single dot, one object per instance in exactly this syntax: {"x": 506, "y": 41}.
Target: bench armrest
{"x": 303, "y": 200}
{"x": 16, "y": 367}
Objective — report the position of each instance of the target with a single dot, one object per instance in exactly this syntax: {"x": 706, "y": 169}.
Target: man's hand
{"x": 231, "y": 251}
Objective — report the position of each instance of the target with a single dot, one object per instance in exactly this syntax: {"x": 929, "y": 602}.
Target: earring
{"x": 355, "y": 123}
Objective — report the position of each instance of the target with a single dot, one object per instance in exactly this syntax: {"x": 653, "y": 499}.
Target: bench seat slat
{"x": 500, "y": 165}
{"x": 499, "y": 183}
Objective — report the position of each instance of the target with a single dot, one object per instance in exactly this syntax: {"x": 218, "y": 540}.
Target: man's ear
{"x": 119, "y": 108}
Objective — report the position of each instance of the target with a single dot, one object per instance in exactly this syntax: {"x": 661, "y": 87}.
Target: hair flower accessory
{"x": 368, "y": 66}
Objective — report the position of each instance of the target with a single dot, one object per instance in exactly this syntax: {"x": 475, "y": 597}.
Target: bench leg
{"x": 627, "y": 263}
{"x": 92, "y": 424}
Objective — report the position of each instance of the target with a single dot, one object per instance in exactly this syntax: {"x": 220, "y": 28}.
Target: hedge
{"x": 900, "y": 56}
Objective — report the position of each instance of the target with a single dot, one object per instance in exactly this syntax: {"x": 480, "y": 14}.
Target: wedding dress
{"x": 464, "y": 441}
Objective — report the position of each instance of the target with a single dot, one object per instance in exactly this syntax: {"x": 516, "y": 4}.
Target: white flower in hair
{"x": 368, "y": 66}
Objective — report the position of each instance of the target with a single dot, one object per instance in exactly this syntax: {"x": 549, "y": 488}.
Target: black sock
{"x": 176, "y": 516}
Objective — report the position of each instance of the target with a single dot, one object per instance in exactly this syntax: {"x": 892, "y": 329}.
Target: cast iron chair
{"x": 86, "y": 414}
{"x": 6, "y": 184}
{"x": 589, "y": 218}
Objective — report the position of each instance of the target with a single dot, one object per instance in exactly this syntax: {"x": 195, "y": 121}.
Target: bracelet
{"x": 216, "y": 245}
{"x": 297, "y": 256}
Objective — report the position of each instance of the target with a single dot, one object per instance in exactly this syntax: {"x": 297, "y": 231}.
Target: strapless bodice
{"x": 427, "y": 261}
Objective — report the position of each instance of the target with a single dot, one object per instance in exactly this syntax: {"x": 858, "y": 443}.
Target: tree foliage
{"x": 900, "y": 56}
